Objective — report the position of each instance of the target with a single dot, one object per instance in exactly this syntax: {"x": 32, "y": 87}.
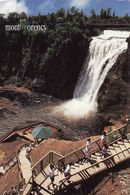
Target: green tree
{"x": 61, "y": 13}
{"x": 113, "y": 15}
{"x": 108, "y": 13}
{"x": 93, "y": 14}
{"x": 13, "y": 17}
{"x": 126, "y": 17}
{"x": 23, "y": 15}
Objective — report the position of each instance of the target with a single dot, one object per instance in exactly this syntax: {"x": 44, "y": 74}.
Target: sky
{"x": 33, "y": 7}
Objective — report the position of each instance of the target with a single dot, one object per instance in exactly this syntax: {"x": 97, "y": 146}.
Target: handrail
{"x": 109, "y": 157}
{"x": 57, "y": 153}
{"x": 51, "y": 151}
{"x": 93, "y": 142}
{"x": 40, "y": 160}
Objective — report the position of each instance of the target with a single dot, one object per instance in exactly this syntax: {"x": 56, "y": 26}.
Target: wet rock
{"x": 114, "y": 94}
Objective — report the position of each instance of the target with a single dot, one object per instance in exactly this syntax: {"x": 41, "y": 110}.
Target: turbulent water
{"x": 103, "y": 53}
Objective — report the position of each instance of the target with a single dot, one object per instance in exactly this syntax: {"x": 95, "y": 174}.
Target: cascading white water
{"x": 103, "y": 53}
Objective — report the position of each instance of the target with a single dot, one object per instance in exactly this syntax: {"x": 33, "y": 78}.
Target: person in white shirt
{"x": 87, "y": 150}
{"x": 103, "y": 139}
{"x": 67, "y": 171}
{"x": 51, "y": 175}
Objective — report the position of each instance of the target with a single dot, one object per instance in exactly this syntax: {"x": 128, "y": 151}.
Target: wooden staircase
{"x": 118, "y": 142}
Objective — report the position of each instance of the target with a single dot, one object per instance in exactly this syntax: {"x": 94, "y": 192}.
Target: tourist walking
{"x": 87, "y": 150}
{"x": 67, "y": 172}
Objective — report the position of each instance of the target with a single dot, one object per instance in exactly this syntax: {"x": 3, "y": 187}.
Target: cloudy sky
{"x": 33, "y": 7}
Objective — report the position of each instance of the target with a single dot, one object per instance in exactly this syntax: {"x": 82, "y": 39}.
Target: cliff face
{"x": 62, "y": 74}
{"x": 114, "y": 94}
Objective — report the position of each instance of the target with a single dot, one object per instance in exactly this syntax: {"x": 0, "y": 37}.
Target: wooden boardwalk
{"x": 118, "y": 151}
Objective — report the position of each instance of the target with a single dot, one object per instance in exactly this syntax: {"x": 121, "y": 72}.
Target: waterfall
{"x": 103, "y": 53}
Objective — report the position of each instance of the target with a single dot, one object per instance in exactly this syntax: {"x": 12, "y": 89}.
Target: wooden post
{"x": 41, "y": 165}
{"x": 51, "y": 157}
{"x": 128, "y": 41}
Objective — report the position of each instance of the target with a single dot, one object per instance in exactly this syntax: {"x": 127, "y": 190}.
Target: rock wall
{"x": 114, "y": 95}
{"x": 62, "y": 74}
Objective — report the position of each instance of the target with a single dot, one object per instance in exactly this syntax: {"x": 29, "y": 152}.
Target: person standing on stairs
{"x": 103, "y": 139}
{"x": 51, "y": 175}
{"x": 104, "y": 152}
{"x": 67, "y": 172}
{"x": 87, "y": 150}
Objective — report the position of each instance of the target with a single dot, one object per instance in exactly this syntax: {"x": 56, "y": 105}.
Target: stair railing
{"x": 96, "y": 165}
{"x": 78, "y": 154}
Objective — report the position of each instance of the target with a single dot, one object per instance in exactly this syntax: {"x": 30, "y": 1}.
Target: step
{"x": 84, "y": 166}
{"x": 121, "y": 156}
{"x": 77, "y": 166}
{"x": 97, "y": 153}
{"x": 97, "y": 157}
{"x": 115, "y": 144}
{"x": 117, "y": 158}
{"x": 126, "y": 153}
{"x": 111, "y": 147}
{"x": 73, "y": 179}
{"x": 126, "y": 140}
{"x": 127, "y": 144}
{"x": 94, "y": 156}
{"x": 76, "y": 177}
{"x": 122, "y": 145}
{"x": 101, "y": 166}
{"x": 46, "y": 193}
{"x": 93, "y": 170}
{"x": 117, "y": 148}
{"x": 45, "y": 185}
{"x": 112, "y": 150}
{"x": 40, "y": 178}
{"x": 120, "y": 142}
